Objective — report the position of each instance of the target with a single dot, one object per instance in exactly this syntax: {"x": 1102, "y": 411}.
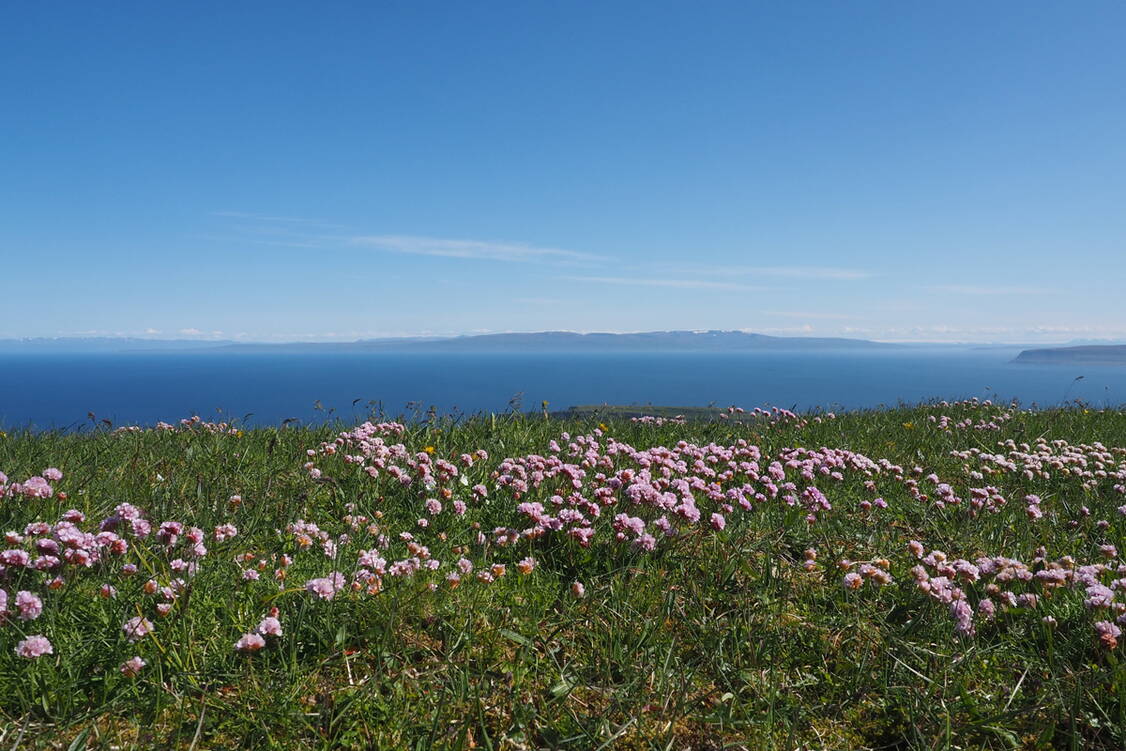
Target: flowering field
{"x": 942, "y": 576}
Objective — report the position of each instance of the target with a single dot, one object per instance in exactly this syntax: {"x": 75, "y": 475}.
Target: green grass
{"x": 713, "y": 640}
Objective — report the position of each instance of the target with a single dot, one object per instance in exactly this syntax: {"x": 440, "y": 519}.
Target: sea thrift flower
{"x": 852, "y": 580}
{"x": 28, "y": 606}
{"x": 250, "y": 643}
{"x": 137, "y": 628}
{"x": 34, "y": 646}
{"x": 526, "y": 565}
{"x": 718, "y": 522}
{"x": 326, "y": 587}
{"x": 131, "y": 667}
{"x": 270, "y": 626}
{"x": 1108, "y": 634}
{"x": 225, "y": 532}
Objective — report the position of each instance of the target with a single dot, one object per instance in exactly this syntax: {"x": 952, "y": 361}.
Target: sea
{"x": 62, "y": 391}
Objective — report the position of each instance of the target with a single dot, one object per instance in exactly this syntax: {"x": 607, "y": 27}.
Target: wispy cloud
{"x": 963, "y": 289}
{"x": 777, "y": 272}
{"x": 472, "y": 249}
{"x": 674, "y": 283}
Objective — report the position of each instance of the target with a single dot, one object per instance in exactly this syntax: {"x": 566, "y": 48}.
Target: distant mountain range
{"x": 1086, "y": 355}
{"x": 545, "y": 341}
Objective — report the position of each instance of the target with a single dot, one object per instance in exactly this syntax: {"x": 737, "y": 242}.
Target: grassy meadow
{"x": 936, "y": 576}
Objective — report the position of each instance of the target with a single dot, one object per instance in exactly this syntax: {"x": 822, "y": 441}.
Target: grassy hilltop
{"x": 941, "y": 576}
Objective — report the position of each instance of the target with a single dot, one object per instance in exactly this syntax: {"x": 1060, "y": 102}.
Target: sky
{"x": 288, "y": 170}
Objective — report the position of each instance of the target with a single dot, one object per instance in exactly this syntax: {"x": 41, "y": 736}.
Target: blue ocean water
{"x": 57, "y": 391}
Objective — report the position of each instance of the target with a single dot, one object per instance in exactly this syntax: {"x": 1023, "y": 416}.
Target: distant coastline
{"x": 1086, "y": 355}
{"x": 544, "y": 341}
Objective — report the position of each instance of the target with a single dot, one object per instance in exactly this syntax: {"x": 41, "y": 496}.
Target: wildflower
{"x": 250, "y": 643}
{"x": 137, "y": 628}
{"x": 28, "y": 606}
{"x": 578, "y": 590}
{"x": 852, "y": 580}
{"x": 34, "y": 646}
{"x": 225, "y": 532}
{"x": 131, "y": 667}
{"x": 270, "y": 626}
{"x": 1108, "y": 634}
{"x": 327, "y": 587}
{"x": 963, "y": 616}
{"x": 718, "y": 522}
{"x": 526, "y": 565}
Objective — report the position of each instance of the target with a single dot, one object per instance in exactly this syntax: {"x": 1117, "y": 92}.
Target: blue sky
{"x": 290, "y": 170}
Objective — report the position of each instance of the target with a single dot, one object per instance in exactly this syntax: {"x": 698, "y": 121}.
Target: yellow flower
{"x": 428, "y": 449}
{"x": 909, "y": 425}
{"x": 602, "y": 426}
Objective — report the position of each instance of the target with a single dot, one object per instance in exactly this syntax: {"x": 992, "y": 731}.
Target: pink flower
{"x": 132, "y": 666}
{"x": 1108, "y": 633}
{"x": 718, "y": 522}
{"x": 225, "y": 532}
{"x": 250, "y": 643}
{"x": 578, "y": 590}
{"x": 34, "y": 646}
{"x": 52, "y": 474}
{"x": 327, "y": 587}
{"x": 137, "y": 628}
{"x": 270, "y": 626}
{"x": 526, "y": 565}
{"x": 28, "y": 606}
{"x": 852, "y": 580}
